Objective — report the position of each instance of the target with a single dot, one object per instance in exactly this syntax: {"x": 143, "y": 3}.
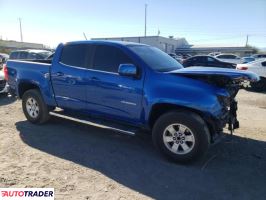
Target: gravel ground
{"x": 83, "y": 162}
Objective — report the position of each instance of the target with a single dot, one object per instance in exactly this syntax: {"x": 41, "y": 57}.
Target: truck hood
{"x": 232, "y": 74}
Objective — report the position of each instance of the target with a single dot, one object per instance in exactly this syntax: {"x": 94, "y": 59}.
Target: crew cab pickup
{"x": 128, "y": 87}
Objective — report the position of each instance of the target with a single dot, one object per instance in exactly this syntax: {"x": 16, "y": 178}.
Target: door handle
{"x": 59, "y": 74}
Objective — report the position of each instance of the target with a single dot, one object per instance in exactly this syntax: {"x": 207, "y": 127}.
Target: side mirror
{"x": 127, "y": 70}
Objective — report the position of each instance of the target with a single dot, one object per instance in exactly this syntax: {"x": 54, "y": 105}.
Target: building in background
{"x": 8, "y": 45}
{"x": 168, "y": 45}
{"x": 206, "y": 49}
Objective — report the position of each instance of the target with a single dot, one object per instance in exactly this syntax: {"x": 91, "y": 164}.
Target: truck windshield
{"x": 155, "y": 58}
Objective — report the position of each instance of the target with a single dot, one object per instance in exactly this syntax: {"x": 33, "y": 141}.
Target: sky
{"x": 201, "y": 22}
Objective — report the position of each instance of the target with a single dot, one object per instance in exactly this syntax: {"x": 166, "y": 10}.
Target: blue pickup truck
{"x": 128, "y": 87}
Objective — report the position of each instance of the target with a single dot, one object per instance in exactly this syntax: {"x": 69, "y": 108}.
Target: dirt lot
{"x": 83, "y": 162}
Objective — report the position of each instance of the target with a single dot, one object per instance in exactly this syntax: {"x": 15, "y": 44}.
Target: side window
{"x": 210, "y": 59}
{"x": 108, "y": 58}
{"x": 202, "y": 59}
{"x": 232, "y": 57}
{"x": 263, "y": 64}
{"x": 222, "y": 56}
{"x": 74, "y": 55}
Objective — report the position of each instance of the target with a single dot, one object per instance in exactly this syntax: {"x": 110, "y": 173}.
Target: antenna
{"x": 145, "y": 31}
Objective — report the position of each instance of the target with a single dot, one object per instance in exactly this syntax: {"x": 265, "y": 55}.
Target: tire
{"x": 187, "y": 141}
{"x": 34, "y": 108}
{"x": 259, "y": 86}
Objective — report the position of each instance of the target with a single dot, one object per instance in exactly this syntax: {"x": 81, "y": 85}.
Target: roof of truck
{"x": 123, "y": 43}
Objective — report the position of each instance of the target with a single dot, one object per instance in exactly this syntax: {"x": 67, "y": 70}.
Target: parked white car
{"x": 259, "y": 56}
{"x": 258, "y": 67}
{"x": 229, "y": 58}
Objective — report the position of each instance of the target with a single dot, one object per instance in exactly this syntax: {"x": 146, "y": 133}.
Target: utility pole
{"x": 21, "y": 37}
{"x": 145, "y": 32}
{"x": 247, "y": 41}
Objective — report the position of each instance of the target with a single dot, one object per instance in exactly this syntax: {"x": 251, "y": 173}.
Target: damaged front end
{"x": 229, "y": 103}
{"x": 230, "y": 81}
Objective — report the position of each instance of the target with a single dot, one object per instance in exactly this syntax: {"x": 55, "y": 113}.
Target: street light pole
{"x": 21, "y": 37}
{"x": 145, "y": 32}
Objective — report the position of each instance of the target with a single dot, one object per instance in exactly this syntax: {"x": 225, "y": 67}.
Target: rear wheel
{"x": 181, "y": 136}
{"x": 34, "y": 108}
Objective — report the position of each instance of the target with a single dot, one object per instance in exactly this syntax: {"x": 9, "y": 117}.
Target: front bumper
{"x": 227, "y": 117}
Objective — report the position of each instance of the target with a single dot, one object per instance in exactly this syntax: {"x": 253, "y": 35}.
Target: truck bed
{"x": 33, "y": 71}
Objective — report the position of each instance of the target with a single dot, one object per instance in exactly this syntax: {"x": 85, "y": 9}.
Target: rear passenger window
{"x": 108, "y": 58}
{"x": 74, "y": 55}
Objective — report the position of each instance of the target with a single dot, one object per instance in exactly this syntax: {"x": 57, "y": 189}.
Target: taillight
{"x": 5, "y": 72}
{"x": 242, "y": 67}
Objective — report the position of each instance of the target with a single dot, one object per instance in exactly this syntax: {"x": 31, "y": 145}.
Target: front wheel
{"x": 34, "y": 108}
{"x": 181, "y": 136}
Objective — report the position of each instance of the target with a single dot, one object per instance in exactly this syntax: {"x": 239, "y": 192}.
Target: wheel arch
{"x": 159, "y": 109}
{"x": 25, "y": 86}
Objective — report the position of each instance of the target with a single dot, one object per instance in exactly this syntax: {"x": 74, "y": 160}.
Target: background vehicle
{"x": 129, "y": 87}
{"x": 247, "y": 60}
{"x": 258, "y": 67}
{"x": 207, "y": 61}
{"x": 30, "y": 54}
{"x": 176, "y": 57}
{"x": 259, "y": 56}
{"x": 229, "y": 58}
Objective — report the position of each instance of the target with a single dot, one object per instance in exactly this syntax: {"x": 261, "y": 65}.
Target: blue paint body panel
{"x": 121, "y": 98}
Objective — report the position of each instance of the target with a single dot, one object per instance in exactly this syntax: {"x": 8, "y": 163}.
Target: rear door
{"x": 69, "y": 77}
{"x": 114, "y": 96}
